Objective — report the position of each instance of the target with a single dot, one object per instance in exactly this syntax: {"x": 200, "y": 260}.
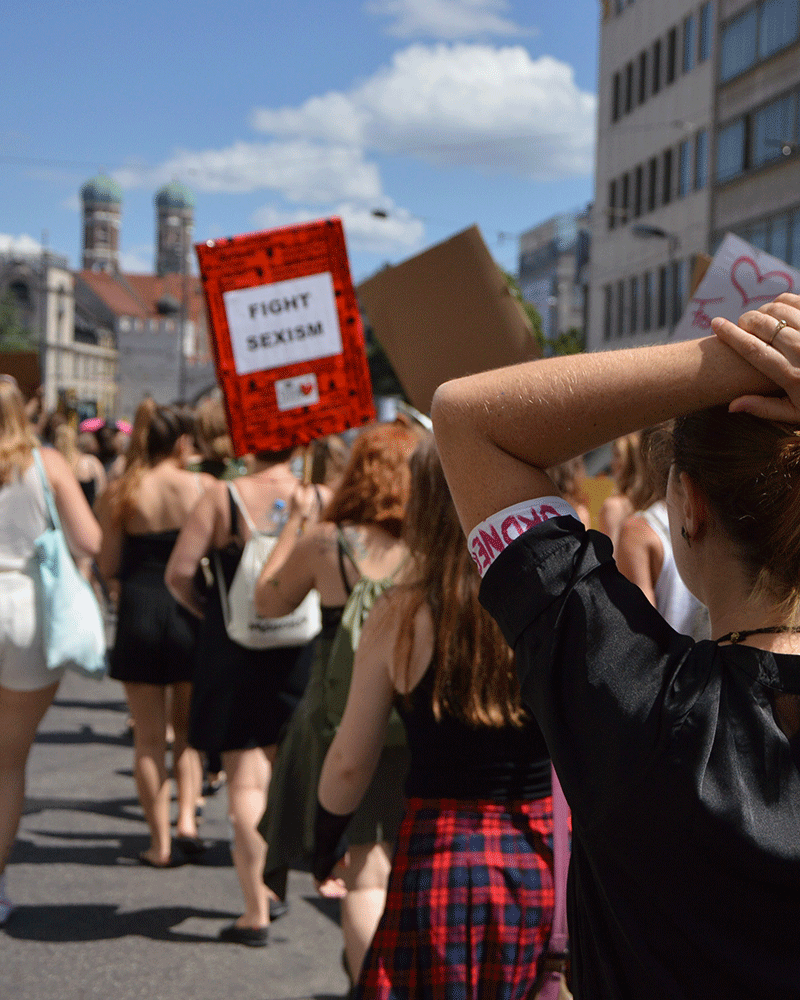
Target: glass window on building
{"x": 678, "y": 283}
{"x": 757, "y": 236}
{"x": 663, "y": 297}
{"x": 633, "y": 296}
{"x": 793, "y": 256}
{"x": 652, "y": 184}
{"x": 778, "y": 238}
{"x": 615, "y": 98}
{"x": 773, "y": 127}
{"x": 731, "y": 150}
{"x": 656, "y": 66}
{"x": 666, "y": 177}
{"x": 672, "y": 55}
{"x": 738, "y": 45}
{"x": 638, "y": 184}
{"x": 620, "y": 308}
{"x": 704, "y": 46}
{"x": 684, "y": 168}
{"x": 779, "y": 21}
{"x": 701, "y": 160}
{"x": 629, "y": 88}
{"x": 608, "y": 311}
{"x": 612, "y": 204}
{"x": 624, "y": 200}
{"x": 689, "y": 43}
{"x": 647, "y": 300}
{"x": 642, "y": 77}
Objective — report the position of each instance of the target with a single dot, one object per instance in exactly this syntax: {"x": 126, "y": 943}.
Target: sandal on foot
{"x": 149, "y": 863}
{"x": 277, "y": 908}
{"x": 253, "y": 937}
{"x": 191, "y": 846}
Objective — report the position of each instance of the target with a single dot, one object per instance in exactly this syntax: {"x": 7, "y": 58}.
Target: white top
{"x": 674, "y": 602}
{"x": 22, "y": 519}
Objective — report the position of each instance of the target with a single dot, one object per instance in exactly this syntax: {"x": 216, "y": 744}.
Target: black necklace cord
{"x": 734, "y": 637}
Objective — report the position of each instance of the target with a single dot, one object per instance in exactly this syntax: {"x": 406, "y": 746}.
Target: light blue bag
{"x": 72, "y": 622}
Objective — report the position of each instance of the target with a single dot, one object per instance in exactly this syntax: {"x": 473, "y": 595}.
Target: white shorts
{"x": 22, "y": 662}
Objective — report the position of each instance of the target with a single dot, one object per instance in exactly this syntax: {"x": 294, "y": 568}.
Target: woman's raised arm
{"x": 497, "y": 431}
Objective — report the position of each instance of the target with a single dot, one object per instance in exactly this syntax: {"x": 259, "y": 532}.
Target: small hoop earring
{"x": 685, "y": 536}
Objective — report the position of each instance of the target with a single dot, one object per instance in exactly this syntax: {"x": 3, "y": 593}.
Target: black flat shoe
{"x": 277, "y": 908}
{"x": 253, "y": 937}
{"x": 191, "y": 846}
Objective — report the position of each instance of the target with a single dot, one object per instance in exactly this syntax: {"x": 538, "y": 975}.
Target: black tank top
{"x": 450, "y": 759}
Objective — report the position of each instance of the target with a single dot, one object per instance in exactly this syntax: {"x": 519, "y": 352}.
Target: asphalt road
{"x": 94, "y": 924}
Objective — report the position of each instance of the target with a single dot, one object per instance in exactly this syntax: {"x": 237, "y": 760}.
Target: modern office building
{"x": 553, "y": 272}
{"x": 652, "y": 181}
{"x": 699, "y": 109}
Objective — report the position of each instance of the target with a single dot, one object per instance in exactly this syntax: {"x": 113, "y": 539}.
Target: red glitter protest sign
{"x": 287, "y": 336}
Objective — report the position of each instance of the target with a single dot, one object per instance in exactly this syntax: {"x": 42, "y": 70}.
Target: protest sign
{"x": 444, "y": 313}
{"x": 739, "y": 278}
{"x": 286, "y": 334}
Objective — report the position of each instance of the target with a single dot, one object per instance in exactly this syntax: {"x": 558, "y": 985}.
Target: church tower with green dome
{"x": 101, "y": 198}
{"x": 174, "y": 227}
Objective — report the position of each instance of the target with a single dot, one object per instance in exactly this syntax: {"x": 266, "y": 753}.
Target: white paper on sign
{"x": 284, "y": 323}
{"x": 739, "y": 278}
{"x": 292, "y": 393}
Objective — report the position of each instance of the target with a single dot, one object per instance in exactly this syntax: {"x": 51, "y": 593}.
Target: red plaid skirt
{"x": 470, "y": 903}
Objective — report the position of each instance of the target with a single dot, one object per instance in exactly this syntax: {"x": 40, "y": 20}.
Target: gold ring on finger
{"x": 778, "y": 328}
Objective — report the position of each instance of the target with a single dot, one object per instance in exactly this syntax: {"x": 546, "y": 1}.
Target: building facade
{"x": 553, "y": 272}
{"x": 652, "y": 184}
{"x": 698, "y": 135}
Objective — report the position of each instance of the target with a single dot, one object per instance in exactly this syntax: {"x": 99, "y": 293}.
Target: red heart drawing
{"x": 746, "y": 264}
{"x": 307, "y": 389}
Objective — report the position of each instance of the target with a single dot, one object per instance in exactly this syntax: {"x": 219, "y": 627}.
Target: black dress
{"x": 241, "y": 698}
{"x": 155, "y": 636}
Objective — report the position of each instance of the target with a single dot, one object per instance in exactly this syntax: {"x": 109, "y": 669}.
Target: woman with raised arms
{"x": 680, "y": 759}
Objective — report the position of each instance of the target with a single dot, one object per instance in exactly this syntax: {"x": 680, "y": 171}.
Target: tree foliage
{"x": 13, "y": 335}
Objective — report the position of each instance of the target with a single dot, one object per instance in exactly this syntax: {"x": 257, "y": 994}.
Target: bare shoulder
{"x": 636, "y": 531}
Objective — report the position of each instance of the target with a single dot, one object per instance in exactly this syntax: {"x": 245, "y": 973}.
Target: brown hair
{"x": 212, "y": 433}
{"x": 156, "y": 432}
{"x": 375, "y": 485}
{"x": 749, "y": 470}
{"x": 475, "y": 679}
{"x": 656, "y": 445}
{"x": 633, "y": 482}
{"x": 17, "y": 440}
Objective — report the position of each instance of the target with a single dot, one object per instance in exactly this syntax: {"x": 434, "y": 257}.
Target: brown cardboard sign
{"x": 445, "y": 313}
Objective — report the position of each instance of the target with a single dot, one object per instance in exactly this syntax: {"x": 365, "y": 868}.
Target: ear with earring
{"x": 685, "y": 536}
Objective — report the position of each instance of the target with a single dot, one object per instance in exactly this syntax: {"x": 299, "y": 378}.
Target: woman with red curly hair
{"x": 358, "y": 537}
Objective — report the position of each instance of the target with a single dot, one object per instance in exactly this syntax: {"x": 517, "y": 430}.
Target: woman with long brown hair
{"x": 141, "y": 514}
{"x": 472, "y": 845}
{"x": 359, "y": 537}
{"x": 27, "y": 687}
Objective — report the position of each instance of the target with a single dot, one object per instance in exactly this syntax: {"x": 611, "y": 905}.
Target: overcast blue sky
{"x": 442, "y": 113}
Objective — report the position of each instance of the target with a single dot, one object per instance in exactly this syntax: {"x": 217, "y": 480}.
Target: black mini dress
{"x": 155, "y": 636}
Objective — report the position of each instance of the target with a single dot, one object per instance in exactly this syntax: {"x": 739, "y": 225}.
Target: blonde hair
{"x": 66, "y": 441}
{"x": 17, "y": 439}
{"x": 211, "y": 431}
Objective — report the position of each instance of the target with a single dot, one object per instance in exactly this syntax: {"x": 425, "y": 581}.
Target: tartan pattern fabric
{"x": 470, "y": 903}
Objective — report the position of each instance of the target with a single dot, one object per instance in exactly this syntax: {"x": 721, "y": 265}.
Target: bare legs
{"x": 148, "y": 705}
{"x": 20, "y": 715}
{"x": 366, "y": 879}
{"x": 248, "y": 774}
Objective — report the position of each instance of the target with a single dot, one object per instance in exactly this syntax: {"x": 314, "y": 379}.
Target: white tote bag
{"x": 243, "y": 625}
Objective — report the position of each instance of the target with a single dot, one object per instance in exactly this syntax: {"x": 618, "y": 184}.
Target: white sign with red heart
{"x": 285, "y": 323}
{"x": 739, "y": 278}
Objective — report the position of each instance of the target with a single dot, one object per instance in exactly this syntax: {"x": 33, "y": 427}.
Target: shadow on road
{"x": 98, "y": 922}
{"x": 105, "y": 850}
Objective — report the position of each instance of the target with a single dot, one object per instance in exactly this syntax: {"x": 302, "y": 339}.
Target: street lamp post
{"x": 646, "y": 232}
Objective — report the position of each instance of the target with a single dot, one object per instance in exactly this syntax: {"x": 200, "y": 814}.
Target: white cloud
{"x": 24, "y": 245}
{"x": 496, "y": 109}
{"x": 449, "y": 19}
{"x": 300, "y": 170}
{"x": 365, "y": 231}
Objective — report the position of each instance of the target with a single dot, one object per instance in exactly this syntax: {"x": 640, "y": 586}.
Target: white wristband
{"x": 489, "y": 538}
